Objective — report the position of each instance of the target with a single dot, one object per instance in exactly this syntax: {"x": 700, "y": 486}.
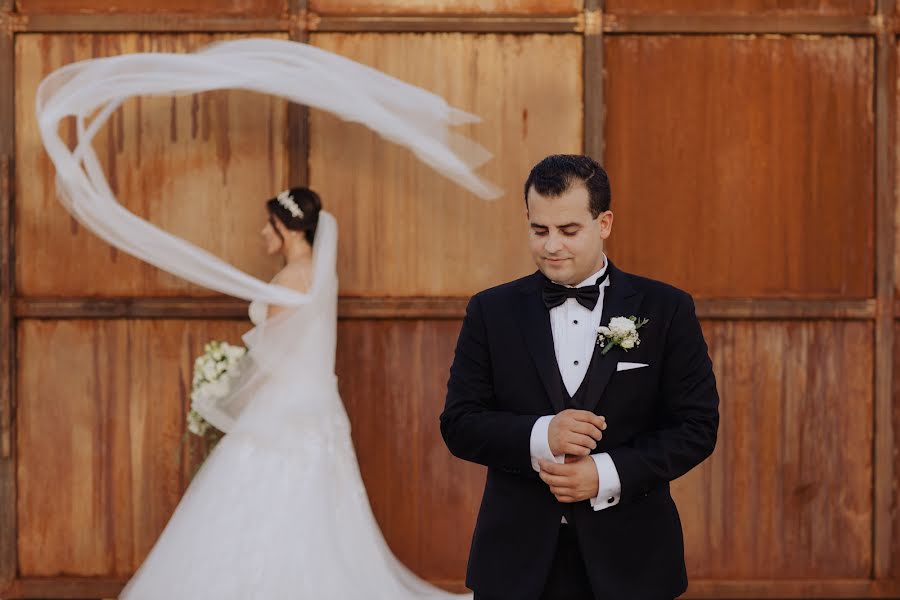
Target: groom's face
{"x": 566, "y": 241}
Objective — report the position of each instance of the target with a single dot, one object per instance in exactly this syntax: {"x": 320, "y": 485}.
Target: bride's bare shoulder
{"x": 296, "y": 277}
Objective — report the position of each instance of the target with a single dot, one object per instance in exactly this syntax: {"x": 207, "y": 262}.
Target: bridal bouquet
{"x": 213, "y": 372}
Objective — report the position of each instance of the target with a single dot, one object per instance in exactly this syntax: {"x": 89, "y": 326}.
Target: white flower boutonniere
{"x": 621, "y": 332}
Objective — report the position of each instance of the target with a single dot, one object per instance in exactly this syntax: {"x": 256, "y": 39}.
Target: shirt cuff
{"x": 540, "y": 444}
{"x": 610, "y": 485}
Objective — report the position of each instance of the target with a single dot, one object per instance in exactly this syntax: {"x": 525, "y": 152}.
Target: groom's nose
{"x": 554, "y": 244}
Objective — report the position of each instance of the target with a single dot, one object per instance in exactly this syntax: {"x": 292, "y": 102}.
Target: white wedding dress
{"x": 279, "y": 510}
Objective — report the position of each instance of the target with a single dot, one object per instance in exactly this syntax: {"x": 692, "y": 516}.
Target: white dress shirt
{"x": 574, "y": 330}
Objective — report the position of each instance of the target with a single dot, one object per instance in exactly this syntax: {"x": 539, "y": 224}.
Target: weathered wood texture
{"x": 771, "y": 197}
{"x": 408, "y": 231}
{"x": 101, "y": 412}
{"x": 200, "y": 166}
{"x": 212, "y": 7}
{"x": 450, "y": 7}
{"x": 743, "y": 7}
{"x": 787, "y": 493}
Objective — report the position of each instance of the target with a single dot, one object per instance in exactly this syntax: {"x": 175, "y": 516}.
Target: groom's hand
{"x": 574, "y": 481}
{"x": 575, "y": 432}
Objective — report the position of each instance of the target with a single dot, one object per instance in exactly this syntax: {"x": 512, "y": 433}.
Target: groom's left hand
{"x": 574, "y": 481}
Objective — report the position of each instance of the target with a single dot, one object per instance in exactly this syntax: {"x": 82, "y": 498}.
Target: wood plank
{"x": 779, "y": 499}
{"x": 532, "y": 8}
{"x": 105, "y": 434}
{"x": 779, "y": 8}
{"x": 104, "y": 8}
{"x": 200, "y": 166}
{"x": 594, "y": 101}
{"x": 145, "y": 22}
{"x": 791, "y": 589}
{"x": 8, "y": 559}
{"x": 885, "y": 240}
{"x": 433, "y": 307}
{"x": 90, "y": 589}
{"x": 481, "y": 24}
{"x": 745, "y": 24}
{"x": 407, "y": 231}
{"x": 419, "y": 492}
{"x": 719, "y": 216}
{"x": 298, "y": 115}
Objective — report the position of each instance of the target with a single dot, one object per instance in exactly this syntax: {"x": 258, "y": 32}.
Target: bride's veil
{"x": 90, "y": 91}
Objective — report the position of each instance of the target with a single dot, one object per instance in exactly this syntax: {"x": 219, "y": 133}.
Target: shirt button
{"x": 575, "y": 322}
{"x": 576, "y": 362}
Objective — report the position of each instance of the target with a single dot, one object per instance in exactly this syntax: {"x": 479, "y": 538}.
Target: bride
{"x": 279, "y": 509}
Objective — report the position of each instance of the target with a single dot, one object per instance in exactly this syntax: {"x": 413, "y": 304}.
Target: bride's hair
{"x": 309, "y": 204}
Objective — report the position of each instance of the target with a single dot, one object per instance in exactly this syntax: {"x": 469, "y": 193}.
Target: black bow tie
{"x": 587, "y": 296}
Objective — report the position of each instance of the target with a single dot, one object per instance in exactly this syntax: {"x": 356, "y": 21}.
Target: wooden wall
{"x": 750, "y": 145}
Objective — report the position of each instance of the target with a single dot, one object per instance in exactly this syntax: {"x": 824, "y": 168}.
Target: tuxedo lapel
{"x": 620, "y": 300}
{"x": 534, "y": 321}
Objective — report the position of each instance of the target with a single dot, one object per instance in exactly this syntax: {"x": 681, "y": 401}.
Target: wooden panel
{"x": 464, "y": 7}
{"x": 393, "y": 377}
{"x": 101, "y": 407}
{"x": 215, "y": 7}
{"x": 895, "y": 537}
{"x": 755, "y": 7}
{"x": 787, "y": 494}
{"x": 772, "y": 197}
{"x": 199, "y": 166}
{"x": 408, "y": 231}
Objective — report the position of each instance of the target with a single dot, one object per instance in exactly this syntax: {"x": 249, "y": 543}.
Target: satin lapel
{"x": 534, "y": 321}
{"x": 620, "y": 300}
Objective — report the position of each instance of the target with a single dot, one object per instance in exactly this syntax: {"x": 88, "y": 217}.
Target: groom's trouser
{"x": 568, "y": 579}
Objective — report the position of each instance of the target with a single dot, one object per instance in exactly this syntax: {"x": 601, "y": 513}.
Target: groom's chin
{"x": 558, "y": 272}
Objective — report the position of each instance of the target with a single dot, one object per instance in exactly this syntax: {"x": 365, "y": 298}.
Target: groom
{"x": 581, "y": 431}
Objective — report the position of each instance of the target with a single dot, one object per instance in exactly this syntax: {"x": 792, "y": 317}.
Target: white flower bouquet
{"x": 214, "y": 370}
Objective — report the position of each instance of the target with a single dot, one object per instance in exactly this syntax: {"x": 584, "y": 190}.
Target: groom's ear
{"x": 605, "y": 222}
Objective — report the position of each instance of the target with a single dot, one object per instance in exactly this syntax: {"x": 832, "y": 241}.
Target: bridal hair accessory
{"x": 287, "y": 201}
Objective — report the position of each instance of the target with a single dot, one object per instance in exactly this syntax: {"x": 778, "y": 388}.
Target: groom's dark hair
{"x": 557, "y": 173}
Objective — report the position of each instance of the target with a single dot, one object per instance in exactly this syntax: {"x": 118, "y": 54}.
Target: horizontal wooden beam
{"x": 144, "y": 22}
{"x": 90, "y": 588}
{"x": 742, "y": 24}
{"x": 777, "y": 309}
{"x": 226, "y": 308}
{"x": 441, "y": 24}
{"x": 790, "y": 589}
{"x": 610, "y": 23}
{"x": 401, "y": 308}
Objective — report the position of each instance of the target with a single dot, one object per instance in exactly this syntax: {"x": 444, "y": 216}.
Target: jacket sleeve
{"x": 471, "y": 426}
{"x": 689, "y": 412}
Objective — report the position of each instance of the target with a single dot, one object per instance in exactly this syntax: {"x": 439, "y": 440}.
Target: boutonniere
{"x": 621, "y": 332}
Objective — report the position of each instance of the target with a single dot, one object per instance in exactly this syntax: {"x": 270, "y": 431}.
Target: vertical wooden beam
{"x": 885, "y": 119}
{"x": 298, "y": 116}
{"x": 8, "y": 562}
{"x": 594, "y": 103}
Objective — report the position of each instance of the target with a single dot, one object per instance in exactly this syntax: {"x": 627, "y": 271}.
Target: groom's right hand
{"x": 575, "y": 432}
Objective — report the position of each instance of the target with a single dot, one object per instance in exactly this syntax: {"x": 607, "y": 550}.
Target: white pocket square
{"x": 627, "y": 366}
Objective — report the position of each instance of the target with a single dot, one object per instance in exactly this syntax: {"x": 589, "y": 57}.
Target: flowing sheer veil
{"x": 90, "y": 91}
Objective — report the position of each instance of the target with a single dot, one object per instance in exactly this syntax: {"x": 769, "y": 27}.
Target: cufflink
{"x": 611, "y": 500}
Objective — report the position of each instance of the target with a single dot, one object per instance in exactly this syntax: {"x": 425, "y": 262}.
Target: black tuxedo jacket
{"x": 661, "y": 422}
